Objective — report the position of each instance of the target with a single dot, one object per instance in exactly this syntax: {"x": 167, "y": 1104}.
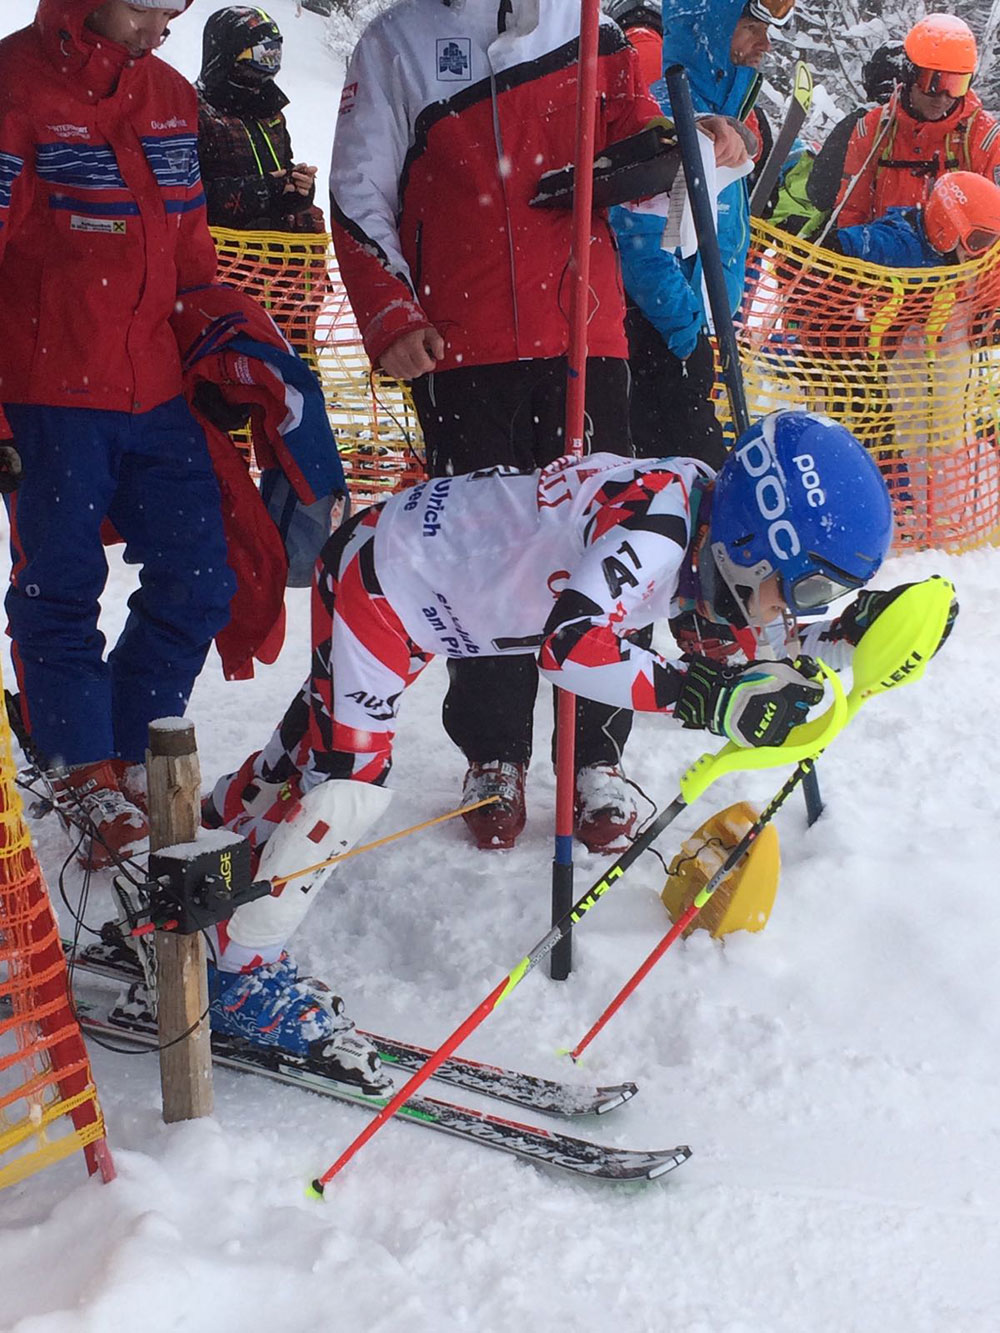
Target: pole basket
{"x": 48, "y": 1100}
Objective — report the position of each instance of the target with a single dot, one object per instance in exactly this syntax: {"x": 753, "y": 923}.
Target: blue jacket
{"x": 895, "y": 240}
{"x": 696, "y": 34}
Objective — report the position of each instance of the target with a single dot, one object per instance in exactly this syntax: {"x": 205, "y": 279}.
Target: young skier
{"x": 568, "y": 562}
{"x": 960, "y": 220}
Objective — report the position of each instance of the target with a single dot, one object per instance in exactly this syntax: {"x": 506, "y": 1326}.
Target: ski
{"x": 528, "y": 1091}
{"x": 798, "y": 109}
{"x": 534, "y": 1143}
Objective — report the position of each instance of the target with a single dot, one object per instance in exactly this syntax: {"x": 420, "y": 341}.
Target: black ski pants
{"x": 514, "y": 414}
{"x": 671, "y": 410}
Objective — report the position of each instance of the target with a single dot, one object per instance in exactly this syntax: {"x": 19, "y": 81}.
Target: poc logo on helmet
{"x": 759, "y": 462}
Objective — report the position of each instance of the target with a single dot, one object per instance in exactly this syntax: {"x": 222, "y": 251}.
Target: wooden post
{"x": 182, "y": 985}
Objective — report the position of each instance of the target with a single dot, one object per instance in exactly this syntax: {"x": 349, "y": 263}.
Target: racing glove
{"x": 856, "y": 619}
{"x": 214, "y": 406}
{"x": 756, "y": 704}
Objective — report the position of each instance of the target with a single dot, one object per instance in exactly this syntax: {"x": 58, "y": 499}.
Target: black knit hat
{"x": 883, "y": 70}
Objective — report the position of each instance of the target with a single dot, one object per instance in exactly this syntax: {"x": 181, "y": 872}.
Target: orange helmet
{"x": 965, "y": 208}
{"x": 943, "y": 52}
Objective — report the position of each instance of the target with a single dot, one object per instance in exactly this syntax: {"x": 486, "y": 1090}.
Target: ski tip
{"x": 676, "y": 1157}
{"x": 316, "y": 1189}
{"x": 616, "y": 1096}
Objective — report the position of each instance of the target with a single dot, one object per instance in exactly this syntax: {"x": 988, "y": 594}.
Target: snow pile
{"x": 837, "y": 1075}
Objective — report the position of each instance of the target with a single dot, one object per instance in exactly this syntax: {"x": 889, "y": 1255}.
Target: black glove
{"x": 862, "y": 613}
{"x": 949, "y": 625}
{"x": 866, "y": 608}
{"x": 11, "y": 471}
{"x": 213, "y": 405}
{"x": 756, "y": 704}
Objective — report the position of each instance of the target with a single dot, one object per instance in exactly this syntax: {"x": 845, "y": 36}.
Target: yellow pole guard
{"x": 893, "y": 651}
{"x": 900, "y": 643}
{"x": 804, "y": 742}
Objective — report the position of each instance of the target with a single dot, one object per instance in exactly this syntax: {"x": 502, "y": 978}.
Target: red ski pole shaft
{"x": 681, "y": 924}
{"x": 513, "y": 978}
{"x": 691, "y": 911}
{"x": 410, "y": 1087}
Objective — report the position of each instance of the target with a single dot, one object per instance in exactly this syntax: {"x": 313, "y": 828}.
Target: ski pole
{"x": 884, "y": 125}
{"x": 897, "y": 650}
{"x": 718, "y": 297}
{"x": 694, "y": 783}
{"x": 735, "y": 856}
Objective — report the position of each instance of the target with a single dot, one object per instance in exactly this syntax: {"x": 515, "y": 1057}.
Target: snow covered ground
{"x": 838, "y": 1075}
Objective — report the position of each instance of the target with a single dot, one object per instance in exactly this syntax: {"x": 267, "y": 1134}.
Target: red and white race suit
{"x": 567, "y": 561}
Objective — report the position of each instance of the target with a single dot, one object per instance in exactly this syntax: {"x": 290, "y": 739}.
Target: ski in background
{"x": 795, "y": 117}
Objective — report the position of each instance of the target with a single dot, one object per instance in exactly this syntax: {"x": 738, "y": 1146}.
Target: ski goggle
{"x": 818, "y": 588}
{"x": 979, "y": 240}
{"x": 775, "y": 12}
{"x": 938, "y": 81}
{"x": 264, "y": 56}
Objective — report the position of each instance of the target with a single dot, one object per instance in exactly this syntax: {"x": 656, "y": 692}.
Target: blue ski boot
{"x": 271, "y": 1005}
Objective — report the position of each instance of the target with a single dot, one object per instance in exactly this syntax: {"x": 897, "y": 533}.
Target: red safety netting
{"x": 48, "y": 1101}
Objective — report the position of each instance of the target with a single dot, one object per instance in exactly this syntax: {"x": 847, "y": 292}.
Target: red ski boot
{"x": 88, "y": 796}
{"x": 605, "y": 809}
{"x": 495, "y": 827}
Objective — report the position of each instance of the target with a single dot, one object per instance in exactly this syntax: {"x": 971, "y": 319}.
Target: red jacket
{"x": 444, "y": 130}
{"x": 909, "y": 155}
{"x": 102, "y": 217}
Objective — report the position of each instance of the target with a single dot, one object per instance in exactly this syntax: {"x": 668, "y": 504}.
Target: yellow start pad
{"x": 744, "y": 899}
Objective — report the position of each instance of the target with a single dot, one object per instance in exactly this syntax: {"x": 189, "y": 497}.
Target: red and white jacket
{"x": 450, "y": 114}
{"x": 102, "y": 217}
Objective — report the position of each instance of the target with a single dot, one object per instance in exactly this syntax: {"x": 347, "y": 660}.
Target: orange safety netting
{"x": 48, "y": 1101}
{"x": 295, "y": 278}
{"x": 908, "y": 359}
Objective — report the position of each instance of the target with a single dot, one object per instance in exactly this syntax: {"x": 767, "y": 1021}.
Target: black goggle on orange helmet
{"x": 963, "y": 208}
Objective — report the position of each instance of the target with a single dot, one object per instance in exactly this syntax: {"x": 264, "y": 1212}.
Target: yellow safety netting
{"x": 48, "y": 1101}
{"x": 296, "y": 279}
{"x": 908, "y": 359}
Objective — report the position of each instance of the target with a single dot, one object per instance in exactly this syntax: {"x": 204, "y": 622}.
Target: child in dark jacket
{"x": 252, "y": 182}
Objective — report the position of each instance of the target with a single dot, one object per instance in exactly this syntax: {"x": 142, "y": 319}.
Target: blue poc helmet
{"x": 800, "y": 497}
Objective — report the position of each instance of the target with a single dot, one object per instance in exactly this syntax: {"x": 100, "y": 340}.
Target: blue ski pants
{"x": 150, "y": 474}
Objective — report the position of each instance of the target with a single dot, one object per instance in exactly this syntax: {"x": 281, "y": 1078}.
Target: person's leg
{"x": 341, "y": 724}
{"x": 670, "y": 407}
{"x": 605, "y": 811}
{"x": 57, "y": 577}
{"x": 169, "y": 511}
{"x": 474, "y": 417}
